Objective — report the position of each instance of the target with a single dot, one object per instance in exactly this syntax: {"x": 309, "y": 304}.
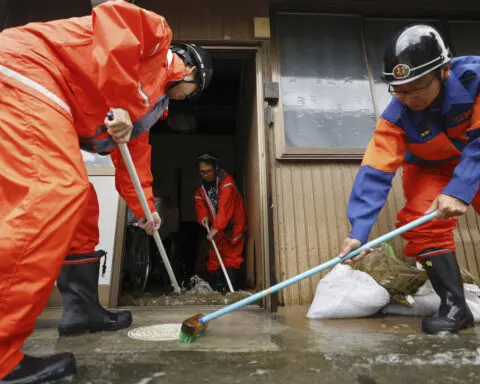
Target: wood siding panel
{"x": 248, "y": 161}
{"x": 311, "y": 222}
{"x": 210, "y": 20}
{"x": 416, "y": 8}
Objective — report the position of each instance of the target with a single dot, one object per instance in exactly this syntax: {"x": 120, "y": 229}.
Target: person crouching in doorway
{"x": 219, "y": 206}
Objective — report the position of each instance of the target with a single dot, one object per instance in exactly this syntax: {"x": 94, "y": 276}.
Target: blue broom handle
{"x": 317, "y": 269}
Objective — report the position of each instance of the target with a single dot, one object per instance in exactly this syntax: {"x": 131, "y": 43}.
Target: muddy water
{"x": 209, "y": 298}
{"x": 198, "y": 292}
{"x": 287, "y": 348}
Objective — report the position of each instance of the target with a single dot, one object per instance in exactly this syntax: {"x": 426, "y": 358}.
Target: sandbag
{"x": 397, "y": 277}
{"x": 347, "y": 293}
{"x": 427, "y": 304}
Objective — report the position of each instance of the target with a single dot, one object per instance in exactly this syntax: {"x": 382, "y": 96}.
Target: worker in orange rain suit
{"x": 432, "y": 127}
{"x": 78, "y": 279}
{"x": 58, "y": 81}
{"x": 219, "y": 203}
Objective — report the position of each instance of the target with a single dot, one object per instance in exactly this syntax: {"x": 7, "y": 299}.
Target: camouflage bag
{"x": 399, "y": 278}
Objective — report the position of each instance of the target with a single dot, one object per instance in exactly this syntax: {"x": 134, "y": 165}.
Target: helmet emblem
{"x": 401, "y": 71}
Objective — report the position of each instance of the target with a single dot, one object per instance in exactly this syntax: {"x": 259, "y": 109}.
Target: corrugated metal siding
{"x": 310, "y": 201}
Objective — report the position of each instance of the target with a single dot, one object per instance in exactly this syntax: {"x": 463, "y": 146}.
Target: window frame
{"x": 282, "y": 151}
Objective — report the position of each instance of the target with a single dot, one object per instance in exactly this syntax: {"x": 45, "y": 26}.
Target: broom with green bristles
{"x": 196, "y": 325}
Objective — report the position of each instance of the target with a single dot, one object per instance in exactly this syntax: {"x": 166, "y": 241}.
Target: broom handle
{"x": 221, "y": 262}
{"x": 317, "y": 269}
{"x": 127, "y": 158}
{"x": 146, "y": 210}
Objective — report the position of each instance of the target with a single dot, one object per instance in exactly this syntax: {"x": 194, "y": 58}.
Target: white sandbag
{"x": 347, "y": 293}
{"x": 423, "y": 306}
{"x": 427, "y": 304}
{"x": 472, "y": 294}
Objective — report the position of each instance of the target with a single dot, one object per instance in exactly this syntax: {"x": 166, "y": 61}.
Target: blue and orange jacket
{"x": 422, "y": 137}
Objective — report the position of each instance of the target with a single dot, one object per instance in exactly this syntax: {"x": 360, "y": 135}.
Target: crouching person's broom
{"x": 196, "y": 325}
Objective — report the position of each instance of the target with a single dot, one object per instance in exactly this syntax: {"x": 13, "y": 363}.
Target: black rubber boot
{"x": 50, "y": 369}
{"x": 233, "y": 275}
{"x": 216, "y": 280}
{"x": 219, "y": 283}
{"x": 444, "y": 274}
{"x": 82, "y": 312}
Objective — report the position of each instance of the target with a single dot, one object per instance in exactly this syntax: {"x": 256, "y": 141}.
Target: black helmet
{"x": 208, "y": 158}
{"x": 412, "y": 53}
{"x": 192, "y": 54}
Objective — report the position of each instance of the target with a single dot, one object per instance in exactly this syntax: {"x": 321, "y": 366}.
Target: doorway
{"x": 225, "y": 121}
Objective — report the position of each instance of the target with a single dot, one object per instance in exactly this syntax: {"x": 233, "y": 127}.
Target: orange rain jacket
{"x": 117, "y": 58}
{"x": 228, "y": 218}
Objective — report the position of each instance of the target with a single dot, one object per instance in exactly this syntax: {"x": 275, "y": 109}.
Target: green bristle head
{"x": 190, "y": 339}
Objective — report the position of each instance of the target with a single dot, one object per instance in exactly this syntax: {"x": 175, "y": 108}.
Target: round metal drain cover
{"x": 159, "y": 332}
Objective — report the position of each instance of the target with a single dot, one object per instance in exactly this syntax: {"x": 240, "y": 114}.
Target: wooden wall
{"x": 216, "y": 20}
{"x": 417, "y": 8}
{"x": 248, "y": 153}
{"x": 3, "y": 13}
{"x": 309, "y": 199}
{"x": 311, "y": 222}
{"x": 20, "y": 12}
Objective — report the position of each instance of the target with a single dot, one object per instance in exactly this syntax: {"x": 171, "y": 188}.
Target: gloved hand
{"x": 150, "y": 226}
{"x": 120, "y": 127}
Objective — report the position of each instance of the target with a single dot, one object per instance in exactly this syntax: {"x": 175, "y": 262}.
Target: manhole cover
{"x": 160, "y": 332}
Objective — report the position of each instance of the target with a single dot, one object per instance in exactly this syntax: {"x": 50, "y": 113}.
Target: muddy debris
{"x": 195, "y": 292}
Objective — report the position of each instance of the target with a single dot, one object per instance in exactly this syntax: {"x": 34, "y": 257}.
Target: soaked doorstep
{"x": 188, "y": 298}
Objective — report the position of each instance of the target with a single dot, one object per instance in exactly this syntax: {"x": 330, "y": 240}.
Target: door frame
{"x": 237, "y": 51}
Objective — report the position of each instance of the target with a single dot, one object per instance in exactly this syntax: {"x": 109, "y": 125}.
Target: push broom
{"x": 221, "y": 262}
{"x": 127, "y": 158}
{"x": 196, "y": 326}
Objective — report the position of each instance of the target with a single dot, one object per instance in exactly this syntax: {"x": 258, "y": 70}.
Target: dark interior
{"x": 214, "y": 114}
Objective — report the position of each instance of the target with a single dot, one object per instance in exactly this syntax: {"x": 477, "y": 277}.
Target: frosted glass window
{"x": 326, "y": 92}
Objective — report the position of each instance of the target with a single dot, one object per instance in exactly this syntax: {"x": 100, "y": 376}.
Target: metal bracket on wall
{"x": 271, "y": 92}
{"x": 269, "y": 115}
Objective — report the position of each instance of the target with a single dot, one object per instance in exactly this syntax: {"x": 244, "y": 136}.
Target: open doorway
{"x": 223, "y": 121}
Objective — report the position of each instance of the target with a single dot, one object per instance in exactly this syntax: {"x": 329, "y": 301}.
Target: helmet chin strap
{"x": 437, "y": 103}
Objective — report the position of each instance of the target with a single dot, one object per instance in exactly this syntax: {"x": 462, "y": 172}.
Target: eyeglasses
{"x": 411, "y": 92}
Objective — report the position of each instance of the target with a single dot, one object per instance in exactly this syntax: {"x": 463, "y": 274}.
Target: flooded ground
{"x": 249, "y": 346}
{"x": 187, "y": 298}
{"x": 199, "y": 292}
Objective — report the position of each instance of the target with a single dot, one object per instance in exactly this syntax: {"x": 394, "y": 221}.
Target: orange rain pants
{"x": 87, "y": 235}
{"x": 421, "y": 185}
{"x": 230, "y": 240}
{"x": 43, "y": 194}
{"x": 77, "y": 67}
{"x": 230, "y": 249}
